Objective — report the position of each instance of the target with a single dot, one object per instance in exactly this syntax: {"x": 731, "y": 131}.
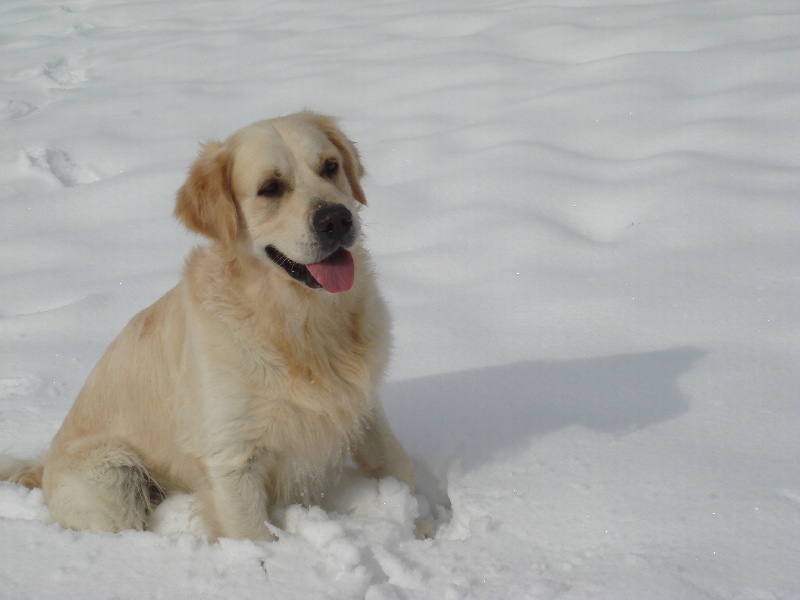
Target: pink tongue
{"x": 336, "y": 273}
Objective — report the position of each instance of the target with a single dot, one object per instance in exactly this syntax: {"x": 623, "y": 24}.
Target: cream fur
{"x": 240, "y": 384}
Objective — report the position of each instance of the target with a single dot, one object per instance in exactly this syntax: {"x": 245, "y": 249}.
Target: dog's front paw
{"x": 424, "y": 530}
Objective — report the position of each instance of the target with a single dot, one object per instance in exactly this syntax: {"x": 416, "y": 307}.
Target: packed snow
{"x": 584, "y": 217}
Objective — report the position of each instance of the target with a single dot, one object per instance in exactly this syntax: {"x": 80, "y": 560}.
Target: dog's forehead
{"x": 279, "y": 145}
{"x": 259, "y": 147}
{"x": 303, "y": 136}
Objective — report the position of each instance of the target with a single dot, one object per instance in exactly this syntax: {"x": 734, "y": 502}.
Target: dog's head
{"x": 286, "y": 190}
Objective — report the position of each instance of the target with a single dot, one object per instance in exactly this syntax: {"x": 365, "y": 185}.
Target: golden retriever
{"x": 251, "y": 380}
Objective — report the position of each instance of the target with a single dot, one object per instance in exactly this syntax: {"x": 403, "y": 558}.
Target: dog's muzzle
{"x": 333, "y": 224}
{"x": 335, "y": 233}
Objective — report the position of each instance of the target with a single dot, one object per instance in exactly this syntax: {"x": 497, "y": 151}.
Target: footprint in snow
{"x": 14, "y": 109}
{"x": 64, "y": 73}
{"x": 60, "y": 165}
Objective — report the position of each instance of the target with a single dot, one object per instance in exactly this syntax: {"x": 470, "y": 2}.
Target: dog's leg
{"x": 99, "y": 485}
{"x": 380, "y": 454}
{"x": 234, "y": 501}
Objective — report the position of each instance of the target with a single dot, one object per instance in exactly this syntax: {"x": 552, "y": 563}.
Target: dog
{"x": 249, "y": 382}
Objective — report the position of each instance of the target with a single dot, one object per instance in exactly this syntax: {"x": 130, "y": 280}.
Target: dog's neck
{"x": 255, "y": 302}
{"x": 239, "y": 278}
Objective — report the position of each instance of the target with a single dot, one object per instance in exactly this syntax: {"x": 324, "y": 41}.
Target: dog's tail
{"x": 22, "y": 472}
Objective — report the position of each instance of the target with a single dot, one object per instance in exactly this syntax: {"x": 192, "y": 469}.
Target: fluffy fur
{"x": 241, "y": 384}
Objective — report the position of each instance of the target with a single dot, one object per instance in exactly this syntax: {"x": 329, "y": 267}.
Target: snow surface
{"x": 584, "y": 217}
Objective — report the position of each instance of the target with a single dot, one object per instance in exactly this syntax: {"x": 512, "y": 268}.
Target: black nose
{"x": 332, "y": 222}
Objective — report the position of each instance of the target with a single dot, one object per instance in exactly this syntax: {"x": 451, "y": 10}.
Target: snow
{"x": 584, "y": 218}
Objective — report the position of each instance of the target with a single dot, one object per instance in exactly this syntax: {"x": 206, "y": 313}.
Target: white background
{"x": 584, "y": 220}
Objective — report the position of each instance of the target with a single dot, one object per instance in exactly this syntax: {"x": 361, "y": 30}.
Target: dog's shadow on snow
{"x": 473, "y": 416}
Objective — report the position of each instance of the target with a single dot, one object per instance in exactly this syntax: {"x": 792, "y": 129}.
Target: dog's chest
{"x": 306, "y": 430}
{"x": 312, "y": 392}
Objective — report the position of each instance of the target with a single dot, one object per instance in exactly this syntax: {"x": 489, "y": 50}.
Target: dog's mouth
{"x": 334, "y": 274}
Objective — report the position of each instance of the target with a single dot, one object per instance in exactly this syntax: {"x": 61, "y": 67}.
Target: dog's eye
{"x": 330, "y": 168}
{"x": 271, "y": 189}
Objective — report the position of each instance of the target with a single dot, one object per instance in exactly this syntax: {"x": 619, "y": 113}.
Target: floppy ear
{"x": 205, "y": 203}
{"x": 353, "y": 168}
